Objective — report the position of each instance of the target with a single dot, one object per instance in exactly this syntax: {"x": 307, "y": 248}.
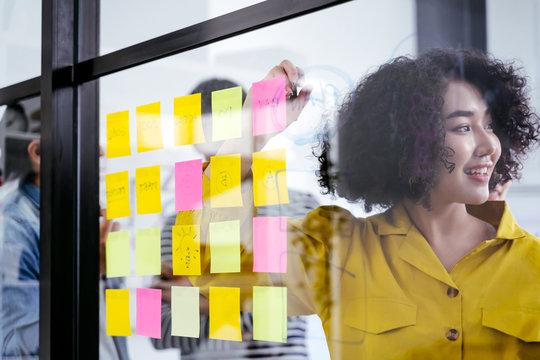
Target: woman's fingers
{"x": 293, "y": 75}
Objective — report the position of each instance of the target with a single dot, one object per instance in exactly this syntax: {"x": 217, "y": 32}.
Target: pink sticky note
{"x": 270, "y": 244}
{"x": 188, "y": 185}
{"x": 269, "y": 108}
{"x": 148, "y": 319}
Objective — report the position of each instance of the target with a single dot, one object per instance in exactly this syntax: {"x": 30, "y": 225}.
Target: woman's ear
{"x": 34, "y": 152}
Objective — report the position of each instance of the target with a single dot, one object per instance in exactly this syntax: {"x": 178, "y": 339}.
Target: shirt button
{"x": 452, "y": 334}
{"x": 452, "y": 292}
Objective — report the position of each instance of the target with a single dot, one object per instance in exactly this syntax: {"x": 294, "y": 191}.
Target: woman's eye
{"x": 463, "y": 128}
{"x": 490, "y": 126}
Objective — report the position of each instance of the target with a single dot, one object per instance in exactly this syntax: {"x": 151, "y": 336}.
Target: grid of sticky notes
{"x": 269, "y": 233}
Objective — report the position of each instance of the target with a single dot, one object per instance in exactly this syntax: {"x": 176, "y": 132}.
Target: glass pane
{"x": 412, "y": 139}
{"x": 125, "y": 22}
{"x": 20, "y": 41}
{"x": 506, "y": 23}
{"x": 19, "y": 229}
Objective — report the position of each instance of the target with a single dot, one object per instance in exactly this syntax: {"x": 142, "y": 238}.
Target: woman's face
{"x": 473, "y": 147}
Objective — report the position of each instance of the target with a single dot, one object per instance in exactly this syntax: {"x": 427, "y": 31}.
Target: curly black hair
{"x": 390, "y": 131}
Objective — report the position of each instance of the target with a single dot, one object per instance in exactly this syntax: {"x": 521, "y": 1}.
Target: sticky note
{"x": 225, "y": 190}
{"x": 270, "y": 244}
{"x": 117, "y": 312}
{"x": 148, "y": 318}
{"x": 187, "y": 120}
{"x": 148, "y": 251}
{"x": 269, "y": 107}
{"x": 270, "y": 313}
{"x": 118, "y": 134}
{"x": 117, "y": 254}
{"x": 227, "y": 114}
{"x": 188, "y": 185}
{"x": 225, "y": 313}
{"x": 270, "y": 178}
{"x": 117, "y": 189}
{"x": 148, "y": 189}
{"x": 225, "y": 246}
{"x": 149, "y": 127}
{"x": 186, "y": 249}
{"x": 185, "y": 311}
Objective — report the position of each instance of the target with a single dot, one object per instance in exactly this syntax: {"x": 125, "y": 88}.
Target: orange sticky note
{"x": 224, "y": 246}
{"x": 148, "y": 189}
{"x": 186, "y": 249}
{"x": 187, "y": 120}
{"x": 149, "y": 127}
{"x": 270, "y": 178}
{"x": 118, "y": 134}
{"x": 117, "y": 189}
{"x": 270, "y": 313}
{"x": 148, "y": 251}
{"x": 225, "y": 190}
{"x": 225, "y": 313}
{"x": 117, "y": 310}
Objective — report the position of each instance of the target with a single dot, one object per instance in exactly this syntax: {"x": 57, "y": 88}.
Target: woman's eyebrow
{"x": 460, "y": 113}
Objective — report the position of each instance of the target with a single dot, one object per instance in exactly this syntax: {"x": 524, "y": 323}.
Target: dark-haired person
{"x": 204, "y": 347}
{"x": 443, "y": 273}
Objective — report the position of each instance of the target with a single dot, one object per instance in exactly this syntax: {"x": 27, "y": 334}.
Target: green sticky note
{"x": 185, "y": 311}
{"x": 270, "y": 313}
{"x": 148, "y": 251}
{"x": 227, "y": 114}
{"x": 225, "y": 246}
{"x": 117, "y": 254}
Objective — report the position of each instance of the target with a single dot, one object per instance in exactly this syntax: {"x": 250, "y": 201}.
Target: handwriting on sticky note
{"x": 118, "y": 134}
{"x": 148, "y": 189}
{"x": 187, "y": 120}
{"x": 188, "y": 185}
{"x": 224, "y": 246}
{"x": 186, "y": 245}
{"x": 117, "y": 254}
{"x": 185, "y": 311}
{"x": 117, "y": 312}
{"x": 117, "y": 189}
{"x": 148, "y": 251}
{"x": 270, "y": 313}
{"x": 270, "y": 244}
{"x": 270, "y": 178}
{"x": 149, "y": 127}
{"x": 225, "y": 190}
{"x": 225, "y": 313}
{"x": 227, "y": 114}
{"x": 269, "y": 107}
{"x": 148, "y": 319}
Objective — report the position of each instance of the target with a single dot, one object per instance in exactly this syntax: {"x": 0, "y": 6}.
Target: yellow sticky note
{"x": 149, "y": 127}
{"x": 270, "y": 178}
{"x": 270, "y": 313}
{"x": 118, "y": 134}
{"x": 185, "y": 311}
{"x": 148, "y": 189}
{"x": 187, "y": 120}
{"x": 148, "y": 251}
{"x": 225, "y": 313}
{"x": 227, "y": 114}
{"x": 117, "y": 254}
{"x": 117, "y": 189}
{"x": 225, "y": 246}
{"x": 186, "y": 249}
{"x": 117, "y": 309}
{"x": 225, "y": 190}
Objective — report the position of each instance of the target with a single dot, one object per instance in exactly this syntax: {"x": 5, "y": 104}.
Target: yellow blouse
{"x": 382, "y": 293}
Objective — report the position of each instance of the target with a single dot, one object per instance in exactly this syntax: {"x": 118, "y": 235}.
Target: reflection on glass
{"x": 19, "y": 229}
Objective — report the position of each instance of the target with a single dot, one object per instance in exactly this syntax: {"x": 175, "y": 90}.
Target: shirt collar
{"x": 396, "y": 221}
{"x": 30, "y": 190}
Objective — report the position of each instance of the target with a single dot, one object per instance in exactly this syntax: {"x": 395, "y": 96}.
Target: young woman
{"x": 442, "y": 274}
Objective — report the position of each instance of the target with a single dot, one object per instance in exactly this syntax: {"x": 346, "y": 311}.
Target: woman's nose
{"x": 487, "y": 143}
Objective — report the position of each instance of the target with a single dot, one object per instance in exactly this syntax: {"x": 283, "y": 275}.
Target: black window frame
{"x": 69, "y": 90}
